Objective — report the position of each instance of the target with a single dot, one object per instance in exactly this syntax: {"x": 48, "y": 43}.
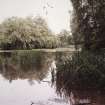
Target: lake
{"x": 29, "y": 78}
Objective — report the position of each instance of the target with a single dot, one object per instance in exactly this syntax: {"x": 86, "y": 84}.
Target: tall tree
{"x": 88, "y": 23}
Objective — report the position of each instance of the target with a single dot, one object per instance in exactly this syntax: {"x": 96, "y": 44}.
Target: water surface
{"x": 36, "y": 78}
{"x": 25, "y": 79}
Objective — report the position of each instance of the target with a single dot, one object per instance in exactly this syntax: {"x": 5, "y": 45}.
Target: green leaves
{"x": 88, "y": 23}
{"x": 26, "y": 33}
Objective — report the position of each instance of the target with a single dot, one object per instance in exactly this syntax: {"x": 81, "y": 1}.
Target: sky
{"x": 56, "y": 12}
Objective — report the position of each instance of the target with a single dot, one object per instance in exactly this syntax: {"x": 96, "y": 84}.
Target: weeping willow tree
{"x": 84, "y": 70}
{"x": 88, "y": 25}
{"x": 26, "y": 33}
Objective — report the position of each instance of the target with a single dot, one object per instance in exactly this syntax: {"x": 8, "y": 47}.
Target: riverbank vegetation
{"x": 85, "y": 69}
{"x": 26, "y": 33}
{"x": 88, "y": 27}
{"x": 65, "y": 38}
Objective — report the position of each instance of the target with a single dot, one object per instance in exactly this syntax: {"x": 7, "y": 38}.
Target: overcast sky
{"x": 54, "y": 11}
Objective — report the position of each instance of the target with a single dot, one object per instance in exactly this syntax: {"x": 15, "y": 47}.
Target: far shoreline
{"x": 44, "y": 50}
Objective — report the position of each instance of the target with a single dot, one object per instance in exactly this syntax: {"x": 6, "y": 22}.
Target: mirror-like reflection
{"x": 81, "y": 77}
{"x": 25, "y": 79}
{"x": 48, "y": 78}
{"x": 25, "y": 65}
{"x": 87, "y": 97}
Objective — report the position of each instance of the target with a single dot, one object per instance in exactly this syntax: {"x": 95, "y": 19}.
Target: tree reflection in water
{"x": 78, "y": 76}
{"x": 25, "y": 65}
{"x": 81, "y": 77}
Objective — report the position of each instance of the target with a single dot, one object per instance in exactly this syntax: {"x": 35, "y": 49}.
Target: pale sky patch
{"x": 56, "y": 12}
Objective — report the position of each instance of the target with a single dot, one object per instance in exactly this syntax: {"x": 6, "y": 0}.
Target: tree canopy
{"x": 29, "y": 32}
{"x": 65, "y": 38}
{"x": 88, "y": 23}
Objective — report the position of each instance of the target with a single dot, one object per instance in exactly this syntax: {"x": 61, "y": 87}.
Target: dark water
{"x": 80, "y": 76}
{"x": 28, "y": 78}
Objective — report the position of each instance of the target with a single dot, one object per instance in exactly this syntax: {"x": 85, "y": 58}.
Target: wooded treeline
{"x": 26, "y": 33}
{"x": 31, "y": 33}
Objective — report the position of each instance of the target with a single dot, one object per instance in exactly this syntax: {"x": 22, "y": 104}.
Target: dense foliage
{"x": 66, "y": 38}
{"x": 26, "y": 33}
{"x": 88, "y": 25}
